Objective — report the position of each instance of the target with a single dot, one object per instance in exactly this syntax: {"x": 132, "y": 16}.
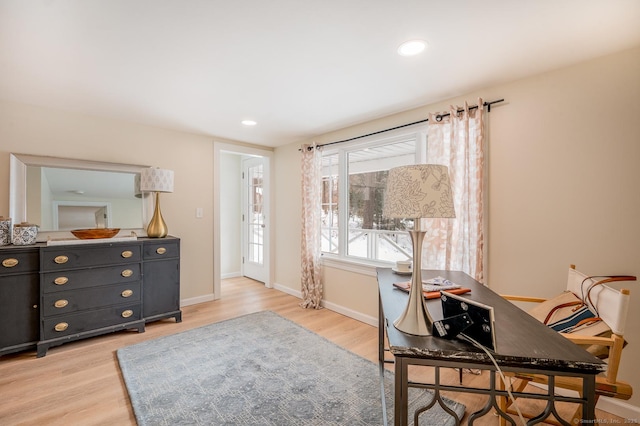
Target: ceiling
{"x": 299, "y": 68}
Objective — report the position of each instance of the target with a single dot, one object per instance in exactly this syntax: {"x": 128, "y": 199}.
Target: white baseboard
{"x": 351, "y": 313}
{"x": 367, "y": 319}
{"x": 610, "y": 405}
{"x": 196, "y": 300}
{"x": 619, "y": 408}
{"x": 288, "y": 290}
{"x": 230, "y": 275}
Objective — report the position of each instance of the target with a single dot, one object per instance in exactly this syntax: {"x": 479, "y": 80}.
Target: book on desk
{"x": 431, "y": 288}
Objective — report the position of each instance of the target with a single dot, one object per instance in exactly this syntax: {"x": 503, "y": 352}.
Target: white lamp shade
{"x": 156, "y": 180}
{"x": 419, "y": 191}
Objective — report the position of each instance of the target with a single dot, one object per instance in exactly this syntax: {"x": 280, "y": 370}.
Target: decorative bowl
{"x": 93, "y": 233}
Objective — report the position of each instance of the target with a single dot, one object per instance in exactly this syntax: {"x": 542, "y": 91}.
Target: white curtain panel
{"x": 311, "y": 221}
{"x": 457, "y": 141}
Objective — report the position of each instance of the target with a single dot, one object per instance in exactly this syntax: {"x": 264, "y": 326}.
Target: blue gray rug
{"x": 258, "y": 369}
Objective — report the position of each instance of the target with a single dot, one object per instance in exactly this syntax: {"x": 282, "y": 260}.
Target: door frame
{"x": 218, "y": 148}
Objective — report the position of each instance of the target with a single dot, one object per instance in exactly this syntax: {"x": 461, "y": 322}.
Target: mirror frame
{"x": 18, "y": 187}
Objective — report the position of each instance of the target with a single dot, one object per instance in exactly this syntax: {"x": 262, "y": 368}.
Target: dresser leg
{"x": 41, "y": 350}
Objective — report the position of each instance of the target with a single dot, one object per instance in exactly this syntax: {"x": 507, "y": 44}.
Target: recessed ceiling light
{"x": 249, "y": 123}
{"x": 412, "y": 47}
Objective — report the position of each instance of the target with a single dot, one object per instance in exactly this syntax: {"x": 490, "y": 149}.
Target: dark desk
{"x": 523, "y": 344}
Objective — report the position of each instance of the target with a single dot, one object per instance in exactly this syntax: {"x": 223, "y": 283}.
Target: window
{"x": 354, "y": 181}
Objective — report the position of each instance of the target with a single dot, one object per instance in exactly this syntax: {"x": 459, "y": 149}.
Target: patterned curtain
{"x": 457, "y": 141}
{"x": 311, "y": 222}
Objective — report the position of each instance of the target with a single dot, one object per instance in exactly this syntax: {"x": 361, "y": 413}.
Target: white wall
{"x": 230, "y": 191}
{"x": 564, "y": 170}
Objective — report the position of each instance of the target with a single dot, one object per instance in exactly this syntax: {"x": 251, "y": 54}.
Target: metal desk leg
{"x": 381, "y": 332}
{"x": 401, "y": 399}
{"x": 589, "y": 392}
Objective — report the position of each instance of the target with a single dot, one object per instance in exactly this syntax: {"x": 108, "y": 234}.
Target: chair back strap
{"x": 607, "y": 303}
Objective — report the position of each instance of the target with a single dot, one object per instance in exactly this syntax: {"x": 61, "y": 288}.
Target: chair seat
{"x": 619, "y": 389}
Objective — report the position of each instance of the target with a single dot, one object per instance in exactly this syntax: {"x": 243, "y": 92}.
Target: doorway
{"x": 242, "y": 220}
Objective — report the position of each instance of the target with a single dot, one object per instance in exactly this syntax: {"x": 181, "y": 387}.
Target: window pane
{"x": 330, "y": 203}
{"x": 255, "y": 221}
{"x": 372, "y": 236}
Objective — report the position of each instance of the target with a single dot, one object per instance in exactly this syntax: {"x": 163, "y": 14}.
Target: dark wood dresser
{"x": 161, "y": 283}
{"x": 19, "y": 298}
{"x": 58, "y": 294}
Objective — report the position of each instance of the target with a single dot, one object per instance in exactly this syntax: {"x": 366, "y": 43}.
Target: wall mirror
{"x": 60, "y": 194}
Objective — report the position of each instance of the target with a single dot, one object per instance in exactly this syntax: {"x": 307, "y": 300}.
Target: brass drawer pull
{"x": 61, "y": 326}
{"x": 161, "y": 250}
{"x": 61, "y": 303}
{"x": 10, "y": 262}
{"x": 127, "y": 253}
{"x": 127, "y": 293}
{"x": 127, "y": 273}
{"x": 127, "y": 313}
{"x": 61, "y": 280}
{"x": 61, "y": 259}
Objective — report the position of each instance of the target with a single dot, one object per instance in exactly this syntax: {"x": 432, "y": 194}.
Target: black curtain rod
{"x": 439, "y": 117}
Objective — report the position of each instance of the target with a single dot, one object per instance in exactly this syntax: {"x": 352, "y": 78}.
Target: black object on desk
{"x": 451, "y": 327}
{"x": 481, "y": 326}
{"x": 523, "y": 345}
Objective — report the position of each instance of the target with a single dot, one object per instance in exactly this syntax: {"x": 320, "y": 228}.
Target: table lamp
{"x": 156, "y": 180}
{"x": 416, "y": 192}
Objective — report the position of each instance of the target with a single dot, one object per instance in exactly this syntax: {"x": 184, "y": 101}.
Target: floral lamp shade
{"x": 419, "y": 191}
{"x": 156, "y": 180}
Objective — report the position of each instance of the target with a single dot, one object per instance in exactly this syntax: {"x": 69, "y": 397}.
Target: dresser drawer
{"x": 72, "y": 280}
{"x": 82, "y": 256}
{"x": 63, "y": 302}
{"x": 67, "y": 325}
{"x": 161, "y": 249}
{"x": 19, "y": 261}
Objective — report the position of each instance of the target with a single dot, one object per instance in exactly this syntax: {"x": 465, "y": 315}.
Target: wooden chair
{"x": 611, "y": 306}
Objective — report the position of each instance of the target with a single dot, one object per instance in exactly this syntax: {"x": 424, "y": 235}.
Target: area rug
{"x": 259, "y": 369}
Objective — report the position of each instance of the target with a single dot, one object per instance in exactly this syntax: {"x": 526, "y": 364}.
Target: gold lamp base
{"x": 416, "y": 319}
{"x": 157, "y": 227}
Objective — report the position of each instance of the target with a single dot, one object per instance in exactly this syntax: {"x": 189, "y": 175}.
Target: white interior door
{"x": 255, "y": 205}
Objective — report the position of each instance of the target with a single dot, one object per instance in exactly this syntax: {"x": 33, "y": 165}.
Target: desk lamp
{"x": 416, "y": 192}
{"x": 156, "y": 180}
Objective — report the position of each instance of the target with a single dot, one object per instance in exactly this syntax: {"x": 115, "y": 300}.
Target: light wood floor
{"x": 80, "y": 383}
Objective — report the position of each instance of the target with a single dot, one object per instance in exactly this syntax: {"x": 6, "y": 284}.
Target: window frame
{"x": 342, "y": 260}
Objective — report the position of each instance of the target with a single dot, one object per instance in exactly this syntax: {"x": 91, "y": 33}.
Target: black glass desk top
{"x": 521, "y": 339}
